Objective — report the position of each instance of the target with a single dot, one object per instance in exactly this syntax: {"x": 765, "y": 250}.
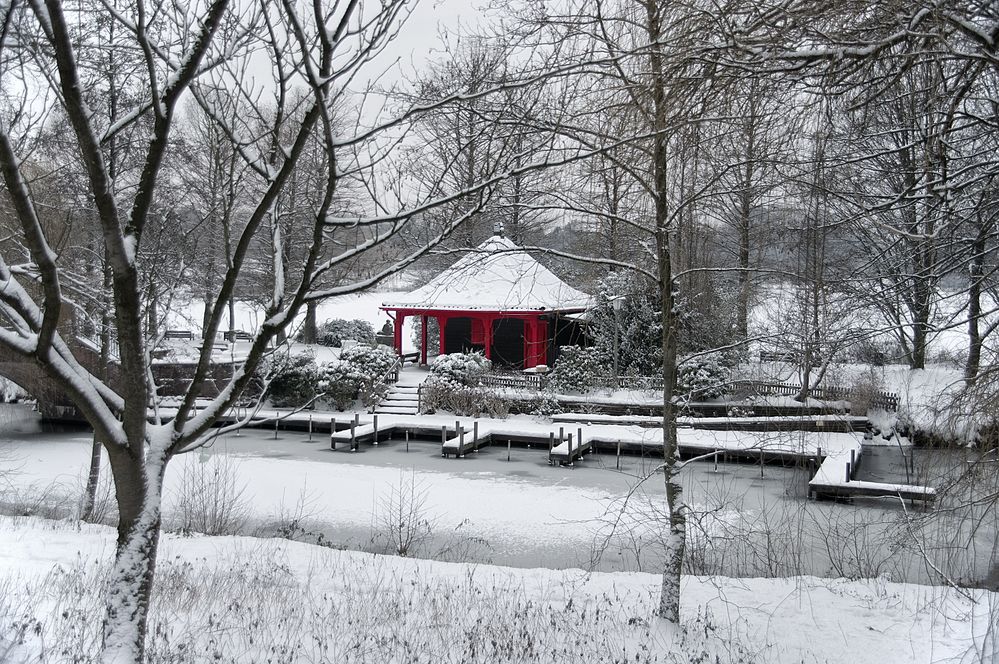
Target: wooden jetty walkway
{"x": 835, "y": 454}
{"x": 835, "y": 475}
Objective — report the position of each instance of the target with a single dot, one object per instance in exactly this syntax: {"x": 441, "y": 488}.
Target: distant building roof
{"x": 496, "y": 276}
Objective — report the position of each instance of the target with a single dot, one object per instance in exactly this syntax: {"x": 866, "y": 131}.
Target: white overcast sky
{"x": 420, "y": 37}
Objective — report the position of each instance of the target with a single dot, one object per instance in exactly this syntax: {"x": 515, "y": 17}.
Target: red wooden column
{"x": 423, "y": 339}
{"x": 487, "y": 324}
{"x": 530, "y": 330}
{"x": 397, "y": 332}
{"x": 535, "y": 342}
{"x": 541, "y": 339}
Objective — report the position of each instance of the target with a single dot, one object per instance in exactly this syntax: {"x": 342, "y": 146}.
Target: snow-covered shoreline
{"x": 249, "y": 599}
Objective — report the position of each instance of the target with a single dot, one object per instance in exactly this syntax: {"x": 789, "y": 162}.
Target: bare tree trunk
{"x": 745, "y": 225}
{"x": 669, "y": 598}
{"x": 93, "y": 480}
{"x": 104, "y": 335}
{"x": 921, "y": 295}
{"x": 309, "y": 330}
{"x": 971, "y": 366}
{"x": 742, "y": 313}
{"x": 138, "y": 487}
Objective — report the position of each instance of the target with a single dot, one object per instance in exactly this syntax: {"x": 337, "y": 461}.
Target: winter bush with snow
{"x": 459, "y": 368}
{"x": 453, "y": 386}
{"x": 577, "y": 369}
{"x": 292, "y": 381}
{"x": 704, "y": 376}
{"x": 636, "y": 324}
{"x": 359, "y": 372}
{"x": 337, "y": 330}
{"x": 462, "y": 400}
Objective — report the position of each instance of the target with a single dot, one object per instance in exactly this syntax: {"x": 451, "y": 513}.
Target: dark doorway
{"x": 458, "y": 336}
{"x": 564, "y": 332}
{"x": 508, "y": 343}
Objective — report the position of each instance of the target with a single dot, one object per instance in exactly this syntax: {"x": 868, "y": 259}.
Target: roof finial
{"x": 498, "y": 229}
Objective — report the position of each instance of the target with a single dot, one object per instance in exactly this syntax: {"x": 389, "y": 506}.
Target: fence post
{"x": 353, "y": 432}
{"x": 310, "y": 427}
{"x": 407, "y": 440}
{"x": 475, "y": 435}
{"x": 461, "y": 439}
{"x": 579, "y": 441}
{"x": 443, "y": 439}
{"x": 275, "y": 428}
{"x": 332, "y": 431}
{"x": 569, "y": 458}
{"x": 374, "y": 419}
{"x": 848, "y": 471}
{"x": 618, "y": 465}
{"x": 508, "y": 449}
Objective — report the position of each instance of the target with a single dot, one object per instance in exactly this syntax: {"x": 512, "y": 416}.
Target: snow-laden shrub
{"x": 464, "y": 400}
{"x": 636, "y": 324}
{"x": 359, "y": 372}
{"x": 453, "y": 387}
{"x": 334, "y": 331}
{"x": 703, "y": 376}
{"x": 577, "y": 369}
{"x": 544, "y": 405}
{"x": 876, "y": 351}
{"x": 459, "y": 368}
{"x": 293, "y": 382}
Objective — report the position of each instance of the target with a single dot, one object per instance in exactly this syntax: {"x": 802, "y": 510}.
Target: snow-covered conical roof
{"x": 497, "y": 276}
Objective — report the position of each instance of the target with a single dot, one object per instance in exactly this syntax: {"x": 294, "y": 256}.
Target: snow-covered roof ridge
{"x": 497, "y": 275}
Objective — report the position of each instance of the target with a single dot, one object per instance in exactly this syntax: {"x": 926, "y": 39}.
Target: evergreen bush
{"x": 359, "y": 372}
{"x": 577, "y": 369}
{"x": 459, "y": 368}
{"x": 293, "y": 382}
{"x": 335, "y": 331}
{"x": 704, "y": 376}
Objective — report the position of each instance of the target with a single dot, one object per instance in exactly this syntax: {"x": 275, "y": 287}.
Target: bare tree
{"x": 184, "y": 53}
{"x": 636, "y": 96}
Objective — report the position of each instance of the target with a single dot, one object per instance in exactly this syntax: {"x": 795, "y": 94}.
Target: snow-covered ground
{"x": 187, "y": 314}
{"x": 745, "y": 520}
{"x": 237, "y": 599}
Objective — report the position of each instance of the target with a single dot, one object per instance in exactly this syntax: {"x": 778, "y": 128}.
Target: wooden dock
{"x": 835, "y": 479}
{"x": 567, "y": 443}
{"x": 846, "y": 490}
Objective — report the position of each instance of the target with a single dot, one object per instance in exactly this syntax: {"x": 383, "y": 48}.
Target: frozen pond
{"x": 525, "y": 513}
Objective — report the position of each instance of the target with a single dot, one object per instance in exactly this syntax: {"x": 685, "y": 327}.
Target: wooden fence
{"x": 514, "y": 379}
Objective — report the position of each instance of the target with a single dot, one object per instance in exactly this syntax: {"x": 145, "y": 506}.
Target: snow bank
{"x": 234, "y": 599}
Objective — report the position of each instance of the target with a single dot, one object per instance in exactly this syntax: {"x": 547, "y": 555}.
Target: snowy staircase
{"x": 400, "y": 400}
